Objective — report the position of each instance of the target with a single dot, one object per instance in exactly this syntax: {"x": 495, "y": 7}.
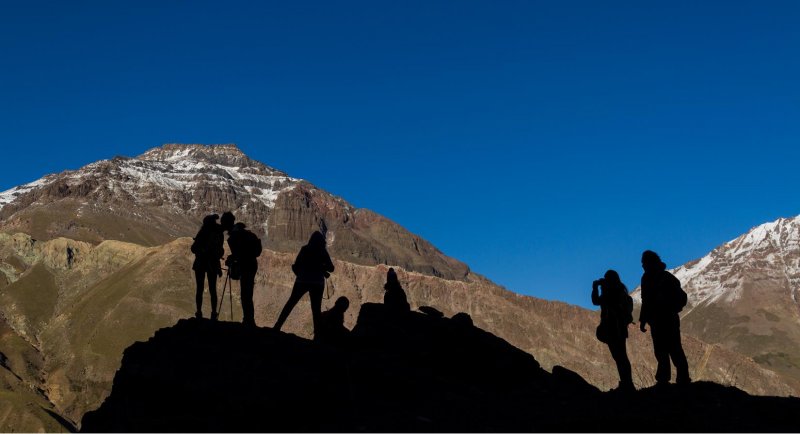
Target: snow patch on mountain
{"x": 175, "y": 170}
{"x": 717, "y": 277}
{"x": 10, "y": 195}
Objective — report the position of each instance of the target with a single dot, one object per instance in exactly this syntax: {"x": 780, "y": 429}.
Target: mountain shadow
{"x": 397, "y": 371}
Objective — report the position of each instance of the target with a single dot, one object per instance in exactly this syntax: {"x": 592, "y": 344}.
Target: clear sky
{"x": 539, "y": 142}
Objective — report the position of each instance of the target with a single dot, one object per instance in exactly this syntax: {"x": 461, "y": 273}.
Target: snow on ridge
{"x": 185, "y": 173}
{"x": 9, "y": 195}
{"x": 717, "y": 275}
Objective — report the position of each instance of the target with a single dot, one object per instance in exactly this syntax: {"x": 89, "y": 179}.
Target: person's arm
{"x": 328, "y": 263}
{"x": 644, "y": 311}
{"x": 596, "y": 298}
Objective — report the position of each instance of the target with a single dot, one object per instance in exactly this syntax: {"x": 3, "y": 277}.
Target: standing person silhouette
{"x": 662, "y": 299}
{"x": 395, "y": 297}
{"x": 312, "y": 266}
{"x": 207, "y": 249}
{"x": 245, "y": 249}
{"x": 615, "y": 315}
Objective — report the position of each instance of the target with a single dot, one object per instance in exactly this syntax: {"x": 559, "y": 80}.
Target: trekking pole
{"x": 224, "y": 286}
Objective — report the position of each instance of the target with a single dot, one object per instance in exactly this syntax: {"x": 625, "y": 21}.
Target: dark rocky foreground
{"x": 413, "y": 372}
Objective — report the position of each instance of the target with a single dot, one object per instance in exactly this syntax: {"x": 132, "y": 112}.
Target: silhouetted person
{"x": 662, "y": 299}
{"x": 331, "y": 323}
{"x": 312, "y": 266}
{"x": 615, "y": 315}
{"x": 242, "y": 264}
{"x": 208, "y": 250}
{"x": 395, "y": 296}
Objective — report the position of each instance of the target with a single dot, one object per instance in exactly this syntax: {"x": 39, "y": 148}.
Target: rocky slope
{"x": 745, "y": 296}
{"x": 409, "y": 372}
{"x": 101, "y": 299}
{"x": 162, "y": 194}
{"x": 23, "y": 404}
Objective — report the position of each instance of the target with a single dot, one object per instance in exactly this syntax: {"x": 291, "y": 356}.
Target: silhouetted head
{"x": 652, "y": 262}
{"x": 239, "y": 226}
{"x": 612, "y": 280}
{"x": 317, "y": 240}
{"x": 342, "y": 304}
{"x": 612, "y": 277}
{"x": 210, "y": 220}
{"x": 391, "y": 280}
{"x": 227, "y": 220}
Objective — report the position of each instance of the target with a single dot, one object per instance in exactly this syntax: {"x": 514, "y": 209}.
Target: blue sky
{"x": 540, "y": 142}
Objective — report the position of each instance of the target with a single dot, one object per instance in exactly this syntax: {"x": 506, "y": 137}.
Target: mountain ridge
{"x": 104, "y": 294}
{"x": 744, "y": 295}
{"x": 160, "y": 195}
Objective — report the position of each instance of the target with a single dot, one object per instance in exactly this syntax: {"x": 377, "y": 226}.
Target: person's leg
{"x": 199, "y": 276}
{"x": 247, "y": 285}
{"x": 661, "y": 350}
{"x": 620, "y": 354}
{"x": 315, "y": 294}
{"x": 297, "y": 292}
{"x": 677, "y": 354}
{"x": 212, "y": 292}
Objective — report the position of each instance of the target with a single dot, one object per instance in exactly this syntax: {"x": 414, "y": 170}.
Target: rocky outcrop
{"x": 410, "y": 372}
{"x": 354, "y": 235}
{"x": 24, "y": 407}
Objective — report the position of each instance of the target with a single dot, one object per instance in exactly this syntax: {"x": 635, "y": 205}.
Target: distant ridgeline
{"x": 397, "y": 372}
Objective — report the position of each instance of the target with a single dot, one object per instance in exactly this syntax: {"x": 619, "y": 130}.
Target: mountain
{"x": 407, "y": 372}
{"x": 745, "y": 296}
{"x": 95, "y": 259}
{"x": 163, "y": 193}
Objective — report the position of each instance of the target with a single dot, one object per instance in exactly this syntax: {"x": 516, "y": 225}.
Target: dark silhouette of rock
{"x": 432, "y": 311}
{"x": 418, "y": 373}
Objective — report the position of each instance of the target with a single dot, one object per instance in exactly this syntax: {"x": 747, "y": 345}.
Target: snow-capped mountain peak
{"x": 769, "y": 248}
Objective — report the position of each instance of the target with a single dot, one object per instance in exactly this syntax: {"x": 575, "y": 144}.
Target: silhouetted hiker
{"x": 395, "y": 297}
{"x": 662, "y": 299}
{"x": 227, "y": 221}
{"x": 616, "y": 308}
{"x": 242, "y": 264}
{"x": 312, "y": 266}
{"x": 207, "y": 249}
{"x": 331, "y": 323}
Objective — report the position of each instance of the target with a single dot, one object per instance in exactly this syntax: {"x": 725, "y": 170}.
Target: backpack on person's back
{"x": 251, "y": 244}
{"x": 626, "y": 309}
{"x": 675, "y": 297}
